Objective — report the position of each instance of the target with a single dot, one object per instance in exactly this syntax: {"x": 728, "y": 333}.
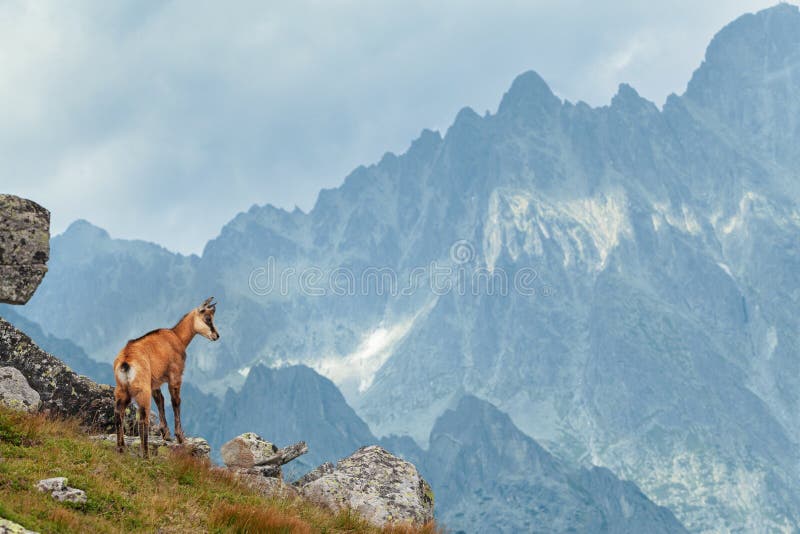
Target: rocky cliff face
{"x": 62, "y": 392}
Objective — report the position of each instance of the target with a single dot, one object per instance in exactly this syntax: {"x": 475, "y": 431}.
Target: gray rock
{"x": 381, "y": 487}
{"x": 73, "y": 495}
{"x": 9, "y": 527}
{"x": 57, "y": 487}
{"x": 246, "y": 450}
{"x": 314, "y": 474}
{"x": 62, "y": 392}
{"x": 52, "y": 484}
{"x": 24, "y": 248}
{"x": 15, "y": 391}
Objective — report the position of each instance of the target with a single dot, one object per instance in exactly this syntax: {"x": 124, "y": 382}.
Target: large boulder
{"x": 381, "y": 487}
{"x": 62, "y": 392}
{"x": 24, "y": 248}
{"x": 15, "y": 391}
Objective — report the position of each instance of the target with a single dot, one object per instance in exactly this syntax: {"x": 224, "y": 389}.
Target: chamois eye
{"x": 208, "y": 319}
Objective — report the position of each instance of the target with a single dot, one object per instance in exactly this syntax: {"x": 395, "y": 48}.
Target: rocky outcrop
{"x": 62, "y": 392}
{"x": 24, "y": 248}
{"x": 257, "y": 462}
{"x": 15, "y": 391}
{"x": 381, "y": 487}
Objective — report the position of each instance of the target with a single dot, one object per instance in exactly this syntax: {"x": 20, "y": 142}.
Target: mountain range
{"x": 616, "y": 288}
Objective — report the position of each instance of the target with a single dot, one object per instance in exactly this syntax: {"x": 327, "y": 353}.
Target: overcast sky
{"x": 162, "y": 120}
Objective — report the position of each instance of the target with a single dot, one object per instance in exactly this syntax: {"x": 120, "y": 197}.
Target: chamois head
{"x": 204, "y": 320}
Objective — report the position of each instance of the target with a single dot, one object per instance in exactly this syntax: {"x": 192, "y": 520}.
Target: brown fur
{"x": 147, "y": 362}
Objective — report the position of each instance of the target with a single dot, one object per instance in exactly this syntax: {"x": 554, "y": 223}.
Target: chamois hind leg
{"x": 122, "y": 401}
{"x": 143, "y": 399}
{"x": 162, "y": 417}
{"x": 175, "y": 397}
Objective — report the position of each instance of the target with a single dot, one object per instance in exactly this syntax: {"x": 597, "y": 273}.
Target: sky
{"x": 162, "y": 120}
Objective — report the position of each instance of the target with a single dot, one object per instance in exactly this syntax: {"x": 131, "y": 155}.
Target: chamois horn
{"x": 207, "y": 305}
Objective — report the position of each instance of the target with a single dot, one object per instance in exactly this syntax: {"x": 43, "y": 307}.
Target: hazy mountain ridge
{"x": 666, "y": 349}
{"x": 491, "y": 474}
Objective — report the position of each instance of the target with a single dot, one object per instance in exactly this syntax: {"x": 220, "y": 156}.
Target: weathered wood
{"x": 286, "y": 454}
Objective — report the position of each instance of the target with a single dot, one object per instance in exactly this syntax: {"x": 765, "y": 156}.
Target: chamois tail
{"x": 125, "y": 373}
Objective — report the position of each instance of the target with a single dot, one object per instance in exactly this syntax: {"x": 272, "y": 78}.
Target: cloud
{"x": 140, "y": 117}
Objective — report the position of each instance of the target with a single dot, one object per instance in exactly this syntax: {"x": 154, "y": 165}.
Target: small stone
{"x": 247, "y": 450}
{"x": 16, "y": 393}
{"x": 52, "y": 484}
{"x": 73, "y": 495}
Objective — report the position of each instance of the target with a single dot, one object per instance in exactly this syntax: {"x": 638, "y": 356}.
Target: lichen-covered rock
{"x": 314, "y": 474}
{"x": 247, "y": 450}
{"x": 376, "y": 484}
{"x": 62, "y": 392}
{"x": 57, "y": 487}
{"x": 15, "y": 391}
{"x": 24, "y": 248}
{"x": 52, "y": 484}
{"x": 73, "y": 495}
{"x": 9, "y": 527}
{"x": 197, "y": 447}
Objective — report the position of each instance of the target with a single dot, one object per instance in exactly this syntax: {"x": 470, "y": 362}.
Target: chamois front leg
{"x": 162, "y": 417}
{"x": 175, "y": 397}
{"x": 143, "y": 400}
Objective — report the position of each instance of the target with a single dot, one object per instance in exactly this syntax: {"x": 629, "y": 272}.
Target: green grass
{"x": 173, "y": 493}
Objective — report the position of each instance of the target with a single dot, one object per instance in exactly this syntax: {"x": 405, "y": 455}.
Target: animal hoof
{"x": 120, "y": 449}
{"x": 180, "y": 438}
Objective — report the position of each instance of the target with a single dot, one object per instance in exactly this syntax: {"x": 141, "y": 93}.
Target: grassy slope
{"x": 166, "y": 494}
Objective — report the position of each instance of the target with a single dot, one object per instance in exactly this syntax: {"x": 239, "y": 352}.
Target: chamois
{"x": 147, "y": 362}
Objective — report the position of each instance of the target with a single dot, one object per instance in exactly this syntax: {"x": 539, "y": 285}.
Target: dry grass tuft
{"x": 244, "y": 519}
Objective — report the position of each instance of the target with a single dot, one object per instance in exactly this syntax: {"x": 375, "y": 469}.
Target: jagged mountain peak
{"x": 756, "y": 49}
{"x": 629, "y": 98}
{"x": 83, "y": 229}
{"x": 476, "y": 448}
{"x": 529, "y": 93}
